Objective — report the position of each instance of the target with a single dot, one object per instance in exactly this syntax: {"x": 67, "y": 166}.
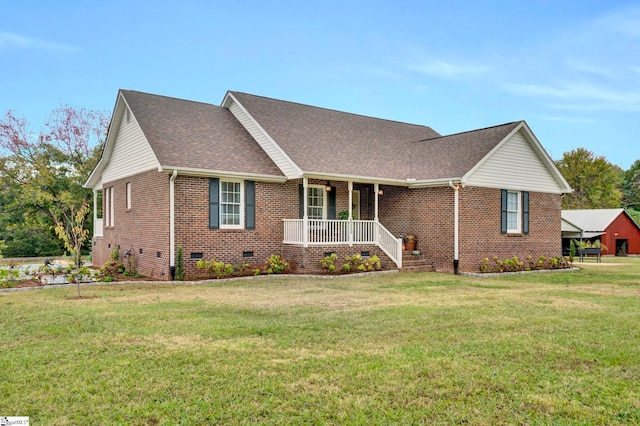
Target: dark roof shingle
{"x": 322, "y": 140}
{"x": 197, "y": 135}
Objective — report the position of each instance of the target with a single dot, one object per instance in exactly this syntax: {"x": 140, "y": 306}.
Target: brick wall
{"x": 426, "y": 213}
{"x": 480, "y": 235}
{"x": 274, "y": 201}
{"x": 143, "y": 229}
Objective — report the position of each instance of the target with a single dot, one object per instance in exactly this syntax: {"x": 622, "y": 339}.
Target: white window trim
{"x": 518, "y": 212}
{"x": 324, "y": 200}
{"x": 128, "y": 185}
{"x": 112, "y": 208}
{"x": 108, "y": 208}
{"x": 242, "y": 204}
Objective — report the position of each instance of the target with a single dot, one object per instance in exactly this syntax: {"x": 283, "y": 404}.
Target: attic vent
{"x": 127, "y": 115}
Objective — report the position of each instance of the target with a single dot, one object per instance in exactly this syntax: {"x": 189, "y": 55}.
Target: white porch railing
{"x": 97, "y": 228}
{"x": 343, "y": 232}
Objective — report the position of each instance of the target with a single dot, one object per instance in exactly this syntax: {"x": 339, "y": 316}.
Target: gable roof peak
{"x": 329, "y": 110}
{"x": 128, "y": 92}
{"x": 511, "y": 123}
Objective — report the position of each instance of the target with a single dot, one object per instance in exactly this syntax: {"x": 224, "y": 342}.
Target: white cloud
{"x": 565, "y": 119}
{"x": 591, "y": 68}
{"x": 625, "y": 21}
{"x": 443, "y": 69}
{"x": 383, "y": 73}
{"x": 11, "y": 40}
{"x": 580, "y": 96}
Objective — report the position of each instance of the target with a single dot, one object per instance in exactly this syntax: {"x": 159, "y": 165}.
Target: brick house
{"x": 257, "y": 176}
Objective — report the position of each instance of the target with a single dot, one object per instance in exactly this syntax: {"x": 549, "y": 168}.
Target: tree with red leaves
{"x": 45, "y": 170}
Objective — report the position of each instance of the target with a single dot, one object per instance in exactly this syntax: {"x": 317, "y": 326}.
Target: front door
{"x": 355, "y": 206}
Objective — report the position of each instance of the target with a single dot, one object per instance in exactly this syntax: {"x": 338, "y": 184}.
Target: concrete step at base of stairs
{"x": 415, "y": 263}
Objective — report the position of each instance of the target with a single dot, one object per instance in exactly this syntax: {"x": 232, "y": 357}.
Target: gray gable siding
{"x": 514, "y": 165}
{"x": 131, "y": 154}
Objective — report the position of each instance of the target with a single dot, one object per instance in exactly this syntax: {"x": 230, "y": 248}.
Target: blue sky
{"x": 571, "y": 69}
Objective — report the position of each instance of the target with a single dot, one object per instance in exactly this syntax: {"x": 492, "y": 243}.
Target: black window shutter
{"x": 250, "y": 204}
{"x": 503, "y": 215}
{"x": 331, "y": 203}
{"x": 301, "y": 201}
{"x": 214, "y": 203}
{"x": 525, "y": 212}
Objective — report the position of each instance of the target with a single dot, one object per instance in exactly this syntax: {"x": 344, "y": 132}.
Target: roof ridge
{"x": 169, "y": 97}
{"x": 332, "y": 110}
{"x": 470, "y": 131}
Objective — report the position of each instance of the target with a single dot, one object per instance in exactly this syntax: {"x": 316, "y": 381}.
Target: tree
{"x": 594, "y": 180}
{"x": 44, "y": 172}
{"x": 631, "y": 186}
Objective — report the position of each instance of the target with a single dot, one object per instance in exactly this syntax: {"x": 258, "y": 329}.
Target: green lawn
{"x": 553, "y": 348}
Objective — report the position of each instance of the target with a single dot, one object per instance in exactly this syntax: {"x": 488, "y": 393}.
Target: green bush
{"x": 357, "y": 263}
{"x": 514, "y": 264}
{"x": 111, "y": 269}
{"x": 216, "y": 268}
{"x": 275, "y": 264}
{"x": 328, "y": 262}
{"x": 179, "y": 265}
{"x": 115, "y": 254}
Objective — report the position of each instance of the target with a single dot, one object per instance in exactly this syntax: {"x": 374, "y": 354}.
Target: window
{"x": 230, "y": 204}
{"x": 111, "y": 207}
{"x": 128, "y": 195}
{"x": 515, "y": 212}
{"x": 316, "y": 202}
{"x": 108, "y": 206}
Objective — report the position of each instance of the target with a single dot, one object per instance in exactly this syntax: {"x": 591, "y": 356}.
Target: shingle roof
{"x": 322, "y": 140}
{"x": 454, "y": 155}
{"x": 197, "y": 135}
{"x": 204, "y": 136}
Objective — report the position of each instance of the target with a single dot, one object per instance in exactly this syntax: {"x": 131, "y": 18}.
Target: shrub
{"x": 115, "y": 254}
{"x": 179, "y": 265}
{"x": 514, "y": 264}
{"x": 356, "y": 262}
{"x": 328, "y": 262}
{"x": 275, "y": 264}
{"x": 129, "y": 257}
{"x": 216, "y": 268}
{"x": 82, "y": 274}
{"x": 111, "y": 269}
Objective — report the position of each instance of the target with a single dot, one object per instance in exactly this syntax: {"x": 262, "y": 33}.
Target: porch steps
{"x": 414, "y": 263}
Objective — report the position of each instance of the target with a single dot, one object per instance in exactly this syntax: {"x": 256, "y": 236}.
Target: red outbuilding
{"x": 615, "y": 229}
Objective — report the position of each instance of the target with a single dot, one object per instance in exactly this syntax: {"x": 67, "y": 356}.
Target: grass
{"x": 558, "y": 348}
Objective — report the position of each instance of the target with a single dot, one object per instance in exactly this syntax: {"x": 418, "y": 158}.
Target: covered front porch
{"x": 319, "y": 225}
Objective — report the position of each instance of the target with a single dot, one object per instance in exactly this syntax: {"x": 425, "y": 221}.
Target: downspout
{"x": 456, "y": 261}
{"x": 172, "y": 232}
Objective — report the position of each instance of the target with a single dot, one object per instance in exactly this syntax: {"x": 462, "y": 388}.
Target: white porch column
{"x": 95, "y": 206}
{"x": 305, "y": 214}
{"x": 376, "y": 189}
{"x": 350, "y": 213}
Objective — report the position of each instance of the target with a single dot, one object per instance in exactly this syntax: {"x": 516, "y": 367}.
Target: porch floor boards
{"x": 415, "y": 263}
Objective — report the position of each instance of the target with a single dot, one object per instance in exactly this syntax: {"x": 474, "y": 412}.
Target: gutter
{"x": 172, "y": 232}
{"x": 456, "y": 208}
